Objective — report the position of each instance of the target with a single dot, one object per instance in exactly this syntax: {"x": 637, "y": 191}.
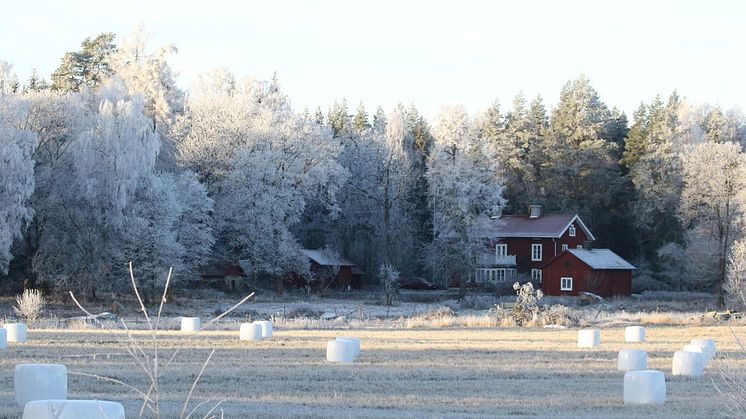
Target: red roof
{"x": 546, "y": 225}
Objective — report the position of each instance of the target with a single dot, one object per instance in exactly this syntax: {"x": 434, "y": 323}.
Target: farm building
{"x": 599, "y": 271}
{"x": 232, "y": 275}
{"x": 329, "y": 271}
{"x": 524, "y": 243}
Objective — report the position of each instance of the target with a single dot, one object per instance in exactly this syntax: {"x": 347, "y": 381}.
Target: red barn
{"x": 526, "y": 242}
{"x": 333, "y": 270}
{"x": 599, "y": 271}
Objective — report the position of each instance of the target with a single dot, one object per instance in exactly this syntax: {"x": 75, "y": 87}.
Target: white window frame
{"x": 536, "y": 275}
{"x": 566, "y": 283}
{"x": 500, "y": 275}
{"x": 501, "y": 250}
{"x": 571, "y": 231}
{"x": 540, "y": 253}
{"x": 564, "y": 247}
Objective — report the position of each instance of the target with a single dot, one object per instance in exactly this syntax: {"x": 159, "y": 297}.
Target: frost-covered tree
{"x": 261, "y": 163}
{"x": 8, "y": 79}
{"x": 17, "y": 175}
{"x": 88, "y": 67}
{"x": 736, "y": 275}
{"x": 713, "y": 199}
{"x": 148, "y": 74}
{"x": 377, "y": 220}
{"x": 89, "y": 212}
{"x": 464, "y": 190}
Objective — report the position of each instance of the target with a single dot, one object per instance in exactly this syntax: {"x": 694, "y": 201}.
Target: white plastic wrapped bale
{"x": 266, "y": 328}
{"x": 589, "y": 338}
{"x": 340, "y": 351}
{"x": 698, "y": 349}
{"x": 634, "y": 334}
{"x": 709, "y": 345}
{"x": 644, "y": 387}
{"x": 632, "y": 360}
{"x": 190, "y": 324}
{"x": 3, "y": 338}
{"x": 355, "y": 343}
{"x": 688, "y": 363}
{"x": 40, "y": 382}
{"x": 16, "y": 332}
{"x": 73, "y": 409}
{"x": 250, "y": 331}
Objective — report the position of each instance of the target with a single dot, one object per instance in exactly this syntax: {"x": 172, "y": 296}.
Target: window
{"x": 564, "y": 247}
{"x": 572, "y": 231}
{"x": 536, "y": 275}
{"x": 580, "y": 246}
{"x": 501, "y": 250}
{"x": 566, "y": 283}
{"x": 536, "y": 252}
{"x": 492, "y": 274}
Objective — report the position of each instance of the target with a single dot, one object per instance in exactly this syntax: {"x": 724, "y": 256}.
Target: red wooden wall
{"x": 605, "y": 283}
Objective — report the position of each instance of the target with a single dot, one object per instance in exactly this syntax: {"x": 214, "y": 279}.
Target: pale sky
{"x": 431, "y": 53}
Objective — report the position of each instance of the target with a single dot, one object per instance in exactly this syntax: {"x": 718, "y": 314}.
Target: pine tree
{"x": 88, "y": 67}
{"x": 360, "y": 122}
{"x": 35, "y": 83}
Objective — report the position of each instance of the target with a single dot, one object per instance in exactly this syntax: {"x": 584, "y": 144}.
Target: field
{"x": 422, "y": 372}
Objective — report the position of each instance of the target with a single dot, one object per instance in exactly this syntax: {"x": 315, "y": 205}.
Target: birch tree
{"x": 464, "y": 191}
{"x": 16, "y": 177}
{"x": 713, "y": 198}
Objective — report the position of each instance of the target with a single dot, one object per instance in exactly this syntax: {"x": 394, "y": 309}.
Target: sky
{"x": 430, "y": 53}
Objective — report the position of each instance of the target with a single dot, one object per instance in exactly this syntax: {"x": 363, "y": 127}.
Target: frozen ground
{"x": 422, "y": 372}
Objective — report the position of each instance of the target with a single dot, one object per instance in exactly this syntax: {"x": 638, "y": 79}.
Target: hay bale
{"x": 266, "y": 328}
{"x": 632, "y": 360}
{"x": 73, "y": 409}
{"x": 644, "y": 387}
{"x": 355, "y": 343}
{"x": 39, "y": 382}
{"x": 634, "y": 334}
{"x": 687, "y": 363}
{"x": 702, "y": 349}
{"x": 589, "y": 338}
{"x": 16, "y": 332}
{"x": 340, "y": 351}
{"x": 250, "y": 331}
{"x": 190, "y": 324}
{"x": 709, "y": 345}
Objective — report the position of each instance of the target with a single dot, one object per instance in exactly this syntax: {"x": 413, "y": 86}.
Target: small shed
{"x": 599, "y": 271}
{"x": 333, "y": 270}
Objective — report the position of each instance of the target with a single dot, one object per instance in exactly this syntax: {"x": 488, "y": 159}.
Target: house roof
{"x": 326, "y": 259}
{"x": 601, "y": 259}
{"x": 547, "y": 225}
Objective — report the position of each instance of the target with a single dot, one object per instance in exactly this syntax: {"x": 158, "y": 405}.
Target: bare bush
{"x": 389, "y": 277}
{"x": 148, "y": 356}
{"x": 29, "y": 306}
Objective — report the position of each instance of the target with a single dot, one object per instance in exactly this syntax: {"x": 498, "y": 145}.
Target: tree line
{"x": 110, "y": 161}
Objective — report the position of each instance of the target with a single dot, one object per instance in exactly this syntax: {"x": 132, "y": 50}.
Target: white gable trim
{"x": 582, "y": 226}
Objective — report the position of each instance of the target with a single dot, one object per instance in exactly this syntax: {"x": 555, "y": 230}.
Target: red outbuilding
{"x": 599, "y": 271}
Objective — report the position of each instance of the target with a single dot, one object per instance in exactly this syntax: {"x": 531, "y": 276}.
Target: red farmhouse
{"x": 526, "y": 242}
{"x": 599, "y": 271}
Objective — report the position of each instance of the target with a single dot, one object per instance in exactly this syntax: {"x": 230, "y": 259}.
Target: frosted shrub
{"x": 29, "y": 305}
{"x": 389, "y": 277}
{"x": 527, "y": 303}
